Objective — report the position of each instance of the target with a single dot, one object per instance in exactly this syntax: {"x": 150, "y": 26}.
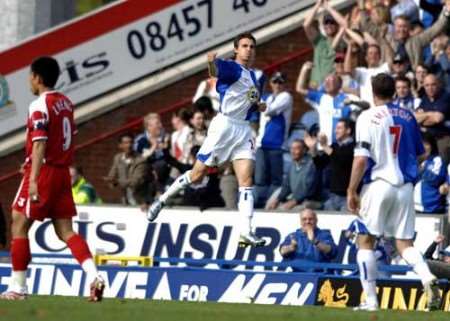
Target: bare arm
{"x": 310, "y": 30}
{"x": 335, "y": 14}
{"x": 355, "y": 37}
{"x": 303, "y": 78}
{"x": 37, "y": 159}
{"x": 338, "y": 38}
{"x": 348, "y": 68}
{"x": 358, "y": 169}
{"x": 211, "y": 56}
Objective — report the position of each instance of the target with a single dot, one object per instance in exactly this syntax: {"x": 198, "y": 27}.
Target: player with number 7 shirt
{"x": 45, "y": 190}
{"x": 388, "y": 145}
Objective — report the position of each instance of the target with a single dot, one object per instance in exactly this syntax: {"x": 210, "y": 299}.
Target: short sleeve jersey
{"x": 238, "y": 88}
{"x": 390, "y": 137}
{"x": 50, "y": 118}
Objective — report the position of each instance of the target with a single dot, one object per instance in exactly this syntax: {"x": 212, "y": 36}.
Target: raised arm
{"x": 310, "y": 30}
{"x": 303, "y": 78}
{"x": 340, "y": 19}
{"x": 211, "y": 57}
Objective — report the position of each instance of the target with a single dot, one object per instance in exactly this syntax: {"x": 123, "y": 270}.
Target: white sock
{"x": 89, "y": 267}
{"x": 179, "y": 184}
{"x": 245, "y": 206}
{"x": 368, "y": 273}
{"x": 19, "y": 281}
{"x": 414, "y": 258}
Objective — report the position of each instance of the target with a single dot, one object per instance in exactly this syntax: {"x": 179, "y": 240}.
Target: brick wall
{"x": 96, "y": 159}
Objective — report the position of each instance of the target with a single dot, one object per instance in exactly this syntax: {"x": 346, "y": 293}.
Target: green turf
{"x": 68, "y": 308}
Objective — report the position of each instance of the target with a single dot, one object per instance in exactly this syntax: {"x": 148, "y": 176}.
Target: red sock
{"x": 20, "y": 254}
{"x": 79, "y": 248}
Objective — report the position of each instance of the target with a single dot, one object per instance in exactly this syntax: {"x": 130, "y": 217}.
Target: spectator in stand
{"x": 339, "y": 157}
{"x": 197, "y": 134}
{"x": 132, "y": 174}
{"x": 204, "y": 105}
{"x": 273, "y": 131}
{"x": 207, "y": 88}
{"x": 363, "y": 75}
{"x": 299, "y": 188}
{"x": 400, "y": 67}
{"x": 420, "y": 73}
{"x": 440, "y": 62}
{"x": 330, "y": 104}
{"x": 403, "y": 95}
{"x": 412, "y": 46}
{"x": 309, "y": 242}
{"x": 434, "y": 113}
{"x": 433, "y": 174}
{"x": 407, "y": 8}
{"x": 229, "y": 188}
{"x": 324, "y": 45}
{"x": 440, "y": 266}
{"x": 179, "y": 149}
{"x": 374, "y": 21}
{"x": 82, "y": 191}
{"x": 151, "y": 144}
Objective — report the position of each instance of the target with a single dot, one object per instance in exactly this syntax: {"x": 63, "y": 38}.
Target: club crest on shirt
{"x": 253, "y": 95}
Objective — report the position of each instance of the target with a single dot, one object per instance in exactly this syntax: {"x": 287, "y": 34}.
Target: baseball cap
{"x": 400, "y": 58}
{"x": 278, "y": 77}
{"x": 445, "y": 251}
{"x": 328, "y": 18}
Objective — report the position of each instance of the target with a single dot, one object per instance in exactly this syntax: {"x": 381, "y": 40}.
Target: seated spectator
{"x": 132, "y": 174}
{"x": 403, "y": 95}
{"x": 273, "y": 131}
{"x": 82, "y": 191}
{"x": 151, "y": 144}
{"x": 433, "y": 114}
{"x": 433, "y": 174}
{"x": 207, "y": 88}
{"x": 330, "y": 104}
{"x": 179, "y": 148}
{"x": 439, "y": 266}
{"x": 339, "y": 157}
{"x": 298, "y": 189}
{"x": 324, "y": 45}
{"x": 309, "y": 242}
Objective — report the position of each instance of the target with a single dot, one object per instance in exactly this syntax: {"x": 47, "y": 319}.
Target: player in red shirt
{"x": 45, "y": 190}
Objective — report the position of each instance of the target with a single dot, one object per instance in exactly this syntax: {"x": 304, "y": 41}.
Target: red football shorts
{"x": 55, "y": 194}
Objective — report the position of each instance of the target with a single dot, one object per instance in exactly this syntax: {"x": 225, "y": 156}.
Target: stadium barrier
{"x": 224, "y": 285}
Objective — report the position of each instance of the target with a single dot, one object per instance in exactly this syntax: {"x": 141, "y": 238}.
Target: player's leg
{"x": 81, "y": 252}
{"x": 368, "y": 271}
{"x": 403, "y": 229}
{"x": 244, "y": 174}
{"x": 193, "y": 176}
{"x": 20, "y": 257}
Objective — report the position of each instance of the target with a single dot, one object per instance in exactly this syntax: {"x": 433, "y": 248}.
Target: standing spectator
{"x": 132, "y": 174}
{"x": 412, "y": 46}
{"x": 433, "y": 174}
{"x": 330, "y": 104}
{"x": 434, "y": 112}
{"x": 151, "y": 144}
{"x": 403, "y": 95}
{"x": 339, "y": 157}
{"x": 198, "y": 132}
{"x": 179, "y": 148}
{"x": 207, "y": 88}
{"x": 441, "y": 62}
{"x": 400, "y": 67}
{"x": 82, "y": 191}
{"x": 363, "y": 75}
{"x": 324, "y": 53}
{"x": 309, "y": 242}
{"x": 299, "y": 187}
{"x": 273, "y": 130}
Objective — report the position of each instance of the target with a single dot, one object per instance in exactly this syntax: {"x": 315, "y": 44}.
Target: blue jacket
{"x": 306, "y": 250}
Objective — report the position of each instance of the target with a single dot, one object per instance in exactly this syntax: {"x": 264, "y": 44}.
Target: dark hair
{"x": 122, "y": 136}
{"x": 48, "y": 69}
{"x": 383, "y": 86}
{"x": 194, "y": 150}
{"x": 430, "y": 139}
{"x": 184, "y": 114}
{"x": 348, "y": 124}
{"x": 375, "y": 46}
{"x": 404, "y": 79}
{"x": 204, "y": 105}
{"x": 244, "y": 35}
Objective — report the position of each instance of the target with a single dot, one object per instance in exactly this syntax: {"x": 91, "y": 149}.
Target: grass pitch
{"x": 50, "y": 308}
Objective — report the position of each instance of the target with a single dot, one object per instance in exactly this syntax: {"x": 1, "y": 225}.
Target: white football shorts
{"x": 388, "y": 210}
{"x": 227, "y": 139}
